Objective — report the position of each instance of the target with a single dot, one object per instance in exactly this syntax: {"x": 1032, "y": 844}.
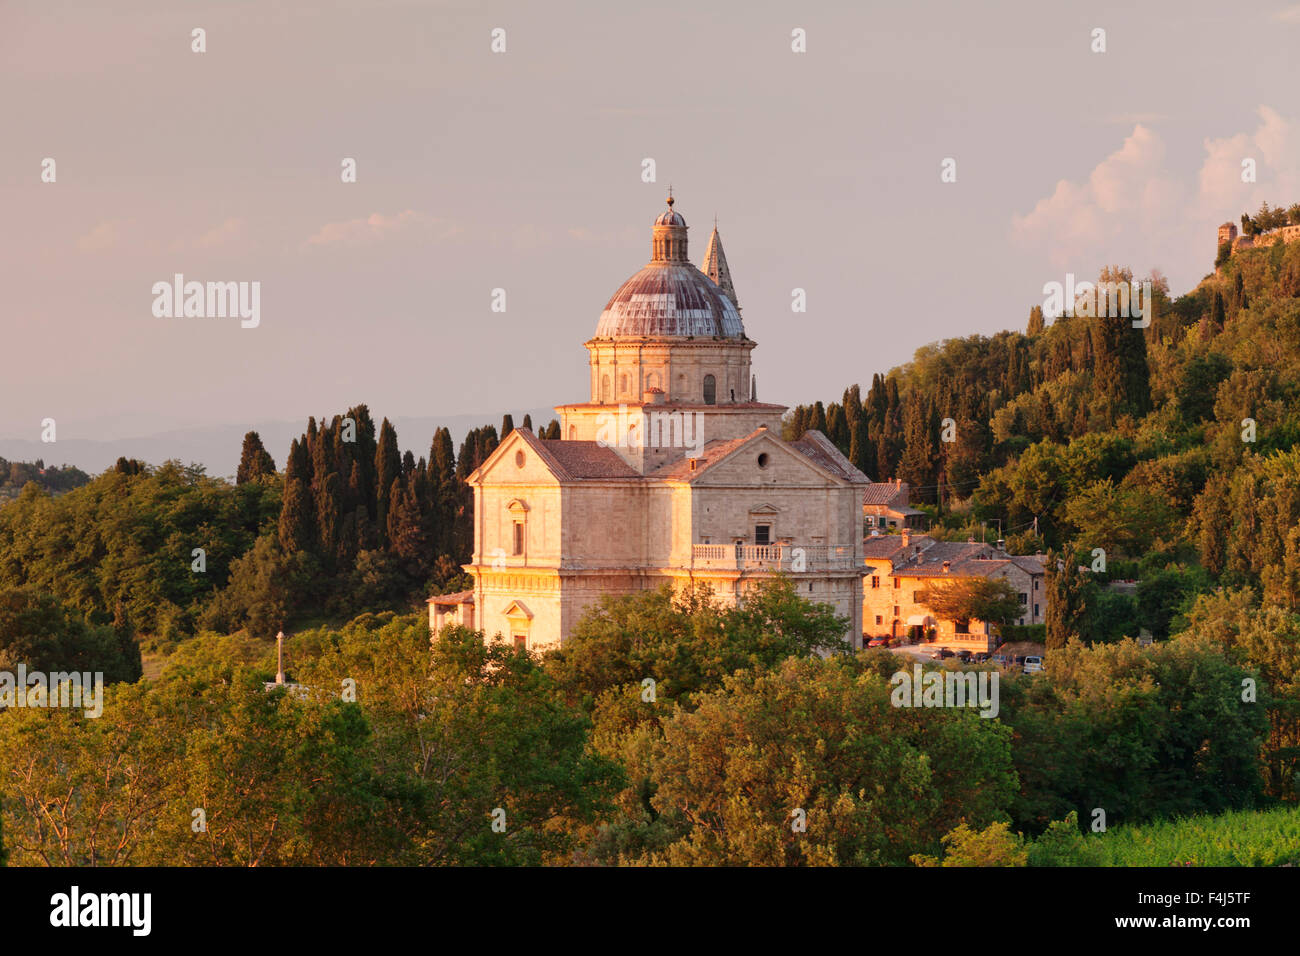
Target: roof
{"x": 571, "y": 460}
{"x": 460, "y": 597}
{"x": 712, "y": 453}
{"x": 715, "y": 267}
{"x": 924, "y": 557}
{"x": 884, "y": 493}
{"x": 888, "y": 545}
{"x": 669, "y": 298}
{"x": 814, "y": 447}
{"x": 588, "y": 459}
{"x": 819, "y": 449}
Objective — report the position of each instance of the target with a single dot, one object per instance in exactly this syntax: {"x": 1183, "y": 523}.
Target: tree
{"x": 995, "y": 845}
{"x": 1067, "y": 592}
{"x": 974, "y": 598}
{"x": 388, "y": 468}
{"x": 297, "y": 514}
{"x": 254, "y": 460}
{"x": 1036, "y": 323}
{"x": 761, "y": 772}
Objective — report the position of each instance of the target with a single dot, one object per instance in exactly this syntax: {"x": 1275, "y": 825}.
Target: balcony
{"x": 772, "y": 557}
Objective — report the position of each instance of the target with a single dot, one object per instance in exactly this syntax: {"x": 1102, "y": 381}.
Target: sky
{"x": 522, "y": 170}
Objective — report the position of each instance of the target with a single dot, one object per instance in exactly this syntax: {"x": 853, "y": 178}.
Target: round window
{"x": 519, "y": 459}
{"x": 762, "y": 460}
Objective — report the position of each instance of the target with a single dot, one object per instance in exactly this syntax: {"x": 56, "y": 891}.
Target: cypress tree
{"x": 917, "y": 464}
{"x": 507, "y": 426}
{"x": 388, "y": 468}
{"x": 442, "y": 459}
{"x": 528, "y": 422}
{"x": 818, "y": 420}
{"x": 254, "y": 460}
{"x": 1036, "y": 322}
{"x": 296, "y": 528}
{"x": 1066, "y": 590}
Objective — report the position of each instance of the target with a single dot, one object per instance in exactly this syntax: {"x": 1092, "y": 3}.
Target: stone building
{"x": 887, "y": 505}
{"x": 900, "y": 567}
{"x": 671, "y": 472}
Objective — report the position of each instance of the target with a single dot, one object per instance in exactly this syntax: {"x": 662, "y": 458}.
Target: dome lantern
{"x": 669, "y": 238}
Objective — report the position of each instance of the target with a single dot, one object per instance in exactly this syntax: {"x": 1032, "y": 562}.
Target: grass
{"x": 1238, "y": 838}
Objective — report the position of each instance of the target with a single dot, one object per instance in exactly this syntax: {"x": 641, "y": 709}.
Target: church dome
{"x": 670, "y": 297}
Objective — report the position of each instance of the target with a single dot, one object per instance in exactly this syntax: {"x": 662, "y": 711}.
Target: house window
{"x": 1024, "y": 598}
{"x": 875, "y": 581}
{"x": 521, "y": 642}
{"x": 1021, "y": 622}
{"x": 1035, "y": 584}
{"x": 763, "y": 534}
{"x": 519, "y": 537}
{"x": 895, "y": 610}
{"x": 879, "y": 620}
{"x": 963, "y": 627}
{"x": 710, "y": 390}
{"x": 916, "y": 597}
{"x": 1035, "y": 610}
{"x": 895, "y": 584}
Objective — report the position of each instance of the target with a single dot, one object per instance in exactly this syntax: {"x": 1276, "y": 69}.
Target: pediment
{"x": 517, "y": 610}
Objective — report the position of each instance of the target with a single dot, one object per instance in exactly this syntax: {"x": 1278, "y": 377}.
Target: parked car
{"x": 981, "y": 657}
{"x": 878, "y": 642}
{"x": 945, "y": 652}
{"x": 964, "y": 656}
{"x": 1001, "y": 660}
{"x": 1033, "y": 665}
{"x": 937, "y": 654}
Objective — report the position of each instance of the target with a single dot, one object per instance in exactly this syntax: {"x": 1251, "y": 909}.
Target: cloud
{"x": 1126, "y": 190}
{"x": 228, "y": 231}
{"x": 1275, "y": 148}
{"x": 104, "y": 236}
{"x": 377, "y": 227}
{"x": 1134, "y": 204}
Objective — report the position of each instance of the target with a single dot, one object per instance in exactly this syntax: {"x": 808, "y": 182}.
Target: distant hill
{"x": 217, "y": 447}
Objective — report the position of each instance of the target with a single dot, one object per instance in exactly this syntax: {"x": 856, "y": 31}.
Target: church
{"x": 670, "y": 472}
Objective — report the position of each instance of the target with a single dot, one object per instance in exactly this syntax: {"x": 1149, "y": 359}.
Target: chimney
{"x": 906, "y": 537}
{"x": 947, "y": 566}
{"x": 692, "y": 461}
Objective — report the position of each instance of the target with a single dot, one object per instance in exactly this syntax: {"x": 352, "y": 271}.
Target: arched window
{"x": 622, "y": 385}
{"x": 604, "y": 388}
{"x": 710, "y": 390}
{"x": 573, "y": 433}
{"x": 652, "y": 380}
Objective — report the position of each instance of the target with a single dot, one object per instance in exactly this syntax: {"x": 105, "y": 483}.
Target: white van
{"x": 1033, "y": 665}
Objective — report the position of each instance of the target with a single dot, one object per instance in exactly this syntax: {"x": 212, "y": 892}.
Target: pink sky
{"x": 522, "y": 171}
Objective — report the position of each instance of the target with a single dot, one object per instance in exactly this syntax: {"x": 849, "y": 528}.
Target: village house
{"x": 901, "y": 567}
{"x": 886, "y": 505}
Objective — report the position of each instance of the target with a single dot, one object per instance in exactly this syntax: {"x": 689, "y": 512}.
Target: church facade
{"x": 670, "y": 472}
